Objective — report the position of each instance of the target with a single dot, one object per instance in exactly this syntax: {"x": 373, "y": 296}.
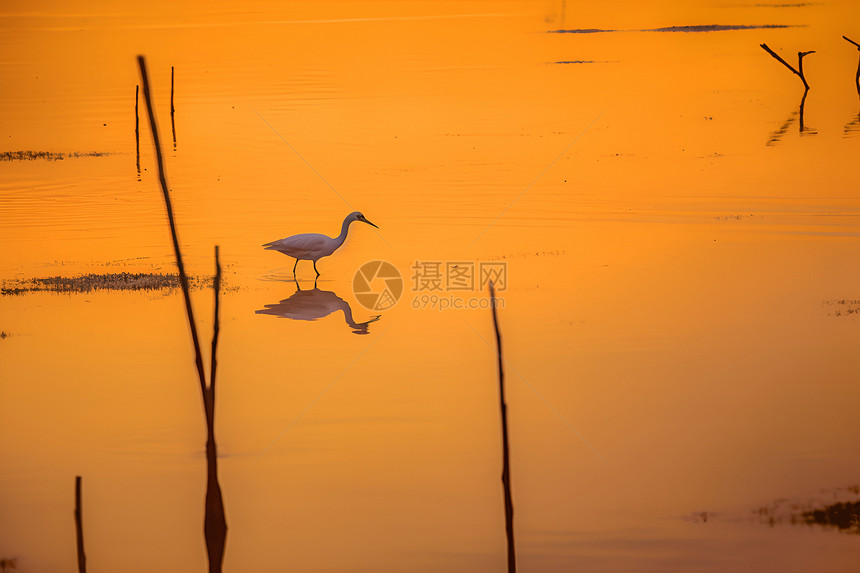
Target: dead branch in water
{"x": 506, "y": 471}
{"x": 79, "y": 527}
{"x": 799, "y": 70}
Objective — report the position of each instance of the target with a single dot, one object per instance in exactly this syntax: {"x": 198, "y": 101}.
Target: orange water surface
{"x": 679, "y": 315}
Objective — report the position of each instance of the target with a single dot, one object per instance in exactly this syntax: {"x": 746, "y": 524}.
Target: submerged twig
{"x": 799, "y": 70}
{"x": 506, "y": 471}
{"x": 79, "y": 527}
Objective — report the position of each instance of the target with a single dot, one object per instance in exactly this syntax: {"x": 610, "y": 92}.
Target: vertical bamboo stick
{"x": 172, "y": 110}
{"x": 506, "y": 471}
{"x": 137, "y": 129}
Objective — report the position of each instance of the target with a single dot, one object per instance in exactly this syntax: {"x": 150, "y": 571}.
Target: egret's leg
{"x": 315, "y": 268}
{"x": 294, "y": 267}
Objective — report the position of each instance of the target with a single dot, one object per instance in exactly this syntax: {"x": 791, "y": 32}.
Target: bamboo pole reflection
{"x": 802, "y": 129}
{"x": 214, "y": 521}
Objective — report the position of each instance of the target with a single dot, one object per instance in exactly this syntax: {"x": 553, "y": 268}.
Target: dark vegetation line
{"x": 585, "y": 62}
{"x": 844, "y": 516}
{"x": 48, "y": 155}
{"x": 841, "y": 512}
{"x": 106, "y": 282}
{"x": 694, "y": 28}
{"x": 718, "y": 28}
{"x": 793, "y": 5}
{"x": 506, "y": 471}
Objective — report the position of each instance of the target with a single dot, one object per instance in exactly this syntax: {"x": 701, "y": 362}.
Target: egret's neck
{"x": 347, "y": 315}
{"x": 357, "y": 327}
{"x": 343, "y": 230}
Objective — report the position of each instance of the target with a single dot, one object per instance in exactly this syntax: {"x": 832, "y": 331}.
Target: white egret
{"x": 314, "y": 246}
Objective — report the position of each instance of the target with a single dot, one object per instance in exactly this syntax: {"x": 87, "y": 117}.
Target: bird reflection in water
{"x": 314, "y": 304}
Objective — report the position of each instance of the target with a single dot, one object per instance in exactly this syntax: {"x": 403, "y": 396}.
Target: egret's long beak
{"x": 369, "y": 223}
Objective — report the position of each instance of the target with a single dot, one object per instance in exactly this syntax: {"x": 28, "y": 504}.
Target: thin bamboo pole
{"x": 162, "y": 178}
{"x": 506, "y": 470}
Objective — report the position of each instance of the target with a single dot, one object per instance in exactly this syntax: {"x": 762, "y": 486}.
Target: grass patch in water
{"x": 47, "y": 155}
{"x": 107, "y": 282}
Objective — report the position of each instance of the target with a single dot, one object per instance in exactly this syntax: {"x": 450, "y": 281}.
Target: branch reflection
{"x": 803, "y": 129}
